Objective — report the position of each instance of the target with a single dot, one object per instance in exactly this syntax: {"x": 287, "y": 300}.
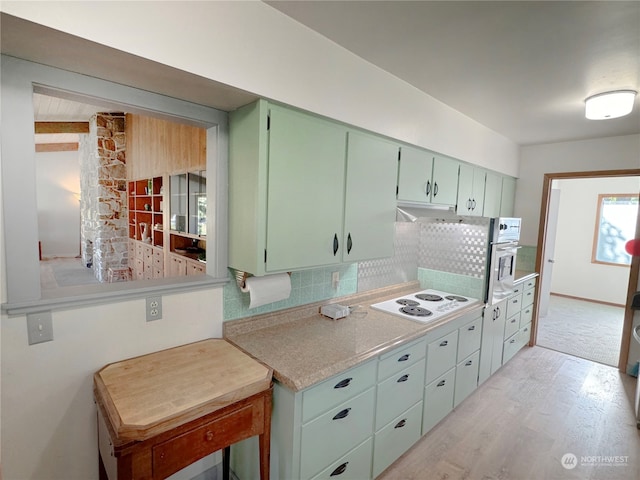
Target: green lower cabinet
{"x": 391, "y": 441}
{"x": 399, "y": 392}
{"x": 438, "y": 400}
{"x": 355, "y": 465}
{"x": 327, "y": 437}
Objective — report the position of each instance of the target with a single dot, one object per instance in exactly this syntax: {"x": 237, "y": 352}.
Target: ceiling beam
{"x": 56, "y": 147}
{"x": 62, "y": 127}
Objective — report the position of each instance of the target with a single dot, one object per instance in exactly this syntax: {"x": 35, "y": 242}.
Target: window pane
{"x": 616, "y": 226}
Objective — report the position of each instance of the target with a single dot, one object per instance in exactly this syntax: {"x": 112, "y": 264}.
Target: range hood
{"x": 412, "y": 212}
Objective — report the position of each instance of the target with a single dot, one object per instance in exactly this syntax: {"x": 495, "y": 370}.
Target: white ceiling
{"x": 522, "y": 69}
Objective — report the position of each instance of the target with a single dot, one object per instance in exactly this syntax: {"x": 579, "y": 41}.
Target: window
{"x": 615, "y": 225}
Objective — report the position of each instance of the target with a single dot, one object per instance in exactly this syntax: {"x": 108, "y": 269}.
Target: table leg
{"x": 226, "y": 454}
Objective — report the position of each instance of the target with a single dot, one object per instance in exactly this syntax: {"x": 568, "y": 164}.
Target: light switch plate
{"x": 39, "y": 327}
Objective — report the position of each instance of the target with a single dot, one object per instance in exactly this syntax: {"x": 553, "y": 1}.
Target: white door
{"x": 549, "y": 251}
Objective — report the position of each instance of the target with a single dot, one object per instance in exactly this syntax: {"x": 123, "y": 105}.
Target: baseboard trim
{"x": 611, "y": 304}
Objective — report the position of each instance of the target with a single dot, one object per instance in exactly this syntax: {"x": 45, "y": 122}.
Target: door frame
{"x": 542, "y": 237}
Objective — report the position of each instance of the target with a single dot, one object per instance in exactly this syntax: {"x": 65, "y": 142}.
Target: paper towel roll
{"x": 267, "y": 289}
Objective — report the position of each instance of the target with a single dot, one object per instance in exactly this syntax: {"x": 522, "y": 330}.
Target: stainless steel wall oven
{"x": 504, "y": 235}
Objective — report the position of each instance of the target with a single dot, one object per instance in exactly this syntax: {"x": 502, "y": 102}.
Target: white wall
{"x": 611, "y": 153}
{"x": 573, "y": 272}
{"x": 254, "y": 47}
{"x": 58, "y": 187}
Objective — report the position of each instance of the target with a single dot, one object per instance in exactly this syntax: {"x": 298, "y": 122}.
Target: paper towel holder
{"x": 241, "y": 278}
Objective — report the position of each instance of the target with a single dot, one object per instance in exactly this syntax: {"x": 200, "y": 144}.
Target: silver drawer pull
{"x": 403, "y": 378}
{"x": 404, "y": 357}
{"x": 445, "y": 343}
{"x": 343, "y": 383}
{"x": 471, "y": 328}
{"x": 401, "y": 423}
{"x": 342, "y": 414}
{"x": 469, "y": 363}
{"x": 339, "y": 470}
{"x": 441, "y": 383}
{"x": 515, "y": 300}
{"x": 513, "y": 340}
{"x": 513, "y": 320}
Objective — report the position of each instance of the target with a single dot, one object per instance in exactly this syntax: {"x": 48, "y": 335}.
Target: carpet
{"x": 583, "y": 329}
{"x": 73, "y": 273}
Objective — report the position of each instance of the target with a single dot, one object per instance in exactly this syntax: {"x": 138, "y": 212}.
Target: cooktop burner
{"x": 429, "y": 297}
{"x": 416, "y": 311}
{"x": 424, "y": 306}
{"x": 407, "y": 302}
{"x": 456, "y": 298}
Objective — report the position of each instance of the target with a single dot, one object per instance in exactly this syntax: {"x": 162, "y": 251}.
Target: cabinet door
{"x": 466, "y": 378}
{"x": 197, "y": 203}
{"x": 414, "y": 175}
{"x": 445, "y": 181}
{"x": 178, "y": 202}
{"x": 305, "y": 197}
{"x": 493, "y": 323}
{"x": 498, "y": 336}
{"x": 471, "y": 188}
{"x": 441, "y": 355}
{"x": 438, "y": 400}
{"x": 508, "y": 196}
{"x": 492, "y": 195}
{"x": 370, "y": 204}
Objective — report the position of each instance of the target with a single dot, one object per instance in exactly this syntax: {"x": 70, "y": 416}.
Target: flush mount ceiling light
{"x": 604, "y": 106}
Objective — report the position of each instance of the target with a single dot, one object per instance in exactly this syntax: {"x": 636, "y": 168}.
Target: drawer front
{"x": 441, "y": 355}
{"x": 524, "y": 335}
{"x": 466, "y": 378}
{"x": 469, "y": 338}
{"x": 333, "y": 434}
{"x": 526, "y": 315}
{"x": 337, "y": 390}
{"x": 400, "y": 358}
{"x": 438, "y": 400}
{"x": 175, "y": 454}
{"x": 396, "y": 438}
{"x": 513, "y": 305}
{"x": 398, "y": 393}
{"x": 527, "y": 297}
{"x": 512, "y": 325}
{"x": 139, "y": 250}
{"x": 511, "y": 347}
{"x": 530, "y": 283}
{"x": 355, "y": 465}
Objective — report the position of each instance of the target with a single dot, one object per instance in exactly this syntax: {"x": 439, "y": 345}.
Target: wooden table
{"x": 160, "y": 412}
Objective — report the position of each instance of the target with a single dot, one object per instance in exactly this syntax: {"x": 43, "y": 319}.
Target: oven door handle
{"x": 501, "y": 247}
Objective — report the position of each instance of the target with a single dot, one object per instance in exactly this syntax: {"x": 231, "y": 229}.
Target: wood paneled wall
{"x": 156, "y": 147}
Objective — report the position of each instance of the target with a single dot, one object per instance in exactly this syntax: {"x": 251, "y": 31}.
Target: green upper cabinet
{"x": 414, "y": 175}
{"x": 300, "y": 195}
{"x": 471, "y": 188}
{"x": 305, "y": 196}
{"x": 508, "y": 196}
{"x": 492, "y": 195}
{"x": 370, "y": 207}
{"x": 427, "y": 178}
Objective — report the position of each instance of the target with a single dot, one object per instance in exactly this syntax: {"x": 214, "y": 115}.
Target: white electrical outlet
{"x": 154, "y": 308}
{"x": 39, "y": 327}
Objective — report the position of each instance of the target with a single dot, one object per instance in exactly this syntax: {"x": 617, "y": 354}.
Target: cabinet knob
{"x": 441, "y": 383}
{"x": 403, "y": 378}
{"x": 343, "y": 383}
{"x": 342, "y": 414}
{"x": 435, "y": 188}
{"x": 469, "y": 363}
{"x": 208, "y": 436}
{"x": 445, "y": 343}
{"x": 339, "y": 470}
{"x": 349, "y": 244}
{"x": 404, "y": 357}
{"x": 335, "y": 244}
{"x": 471, "y": 328}
{"x": 401, "y": 423}
{"x": 428, "y": 189}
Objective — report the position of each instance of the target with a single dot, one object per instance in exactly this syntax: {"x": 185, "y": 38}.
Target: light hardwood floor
{"x": 522, "y": 421}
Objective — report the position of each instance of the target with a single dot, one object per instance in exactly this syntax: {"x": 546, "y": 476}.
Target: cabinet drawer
{"x": 512, "y": 325}
{"x": 466, "y": 378}
{"x": 158, "y": 258}
{"x": 337, "y": 390}
{"x": 396, "y": 438}
{"x": 177, "y": 453}
{"x": 524, "y": 335}
{"x": 438, "y": 400}
{"x": 511, "y": 347}
{"x": 399, "y": 392}
{"x": 400, "y": 358}
{"x": 527, "y": 297}
{"x": 333, "y": 434}
{"x": 441, "y": 355}
{"x": 355, "y": 465}
{"x": 513, "y": 305}
{"x": 526, "y": 315}
{"x": 469, "y": 338}
{"x": 529, "y": 283}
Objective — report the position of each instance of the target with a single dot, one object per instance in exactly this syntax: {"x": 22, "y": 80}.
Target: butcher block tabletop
{"x": 151, "y": 394}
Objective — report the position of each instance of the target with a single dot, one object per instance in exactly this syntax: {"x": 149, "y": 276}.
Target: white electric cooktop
{"x": 424, "y": 306}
